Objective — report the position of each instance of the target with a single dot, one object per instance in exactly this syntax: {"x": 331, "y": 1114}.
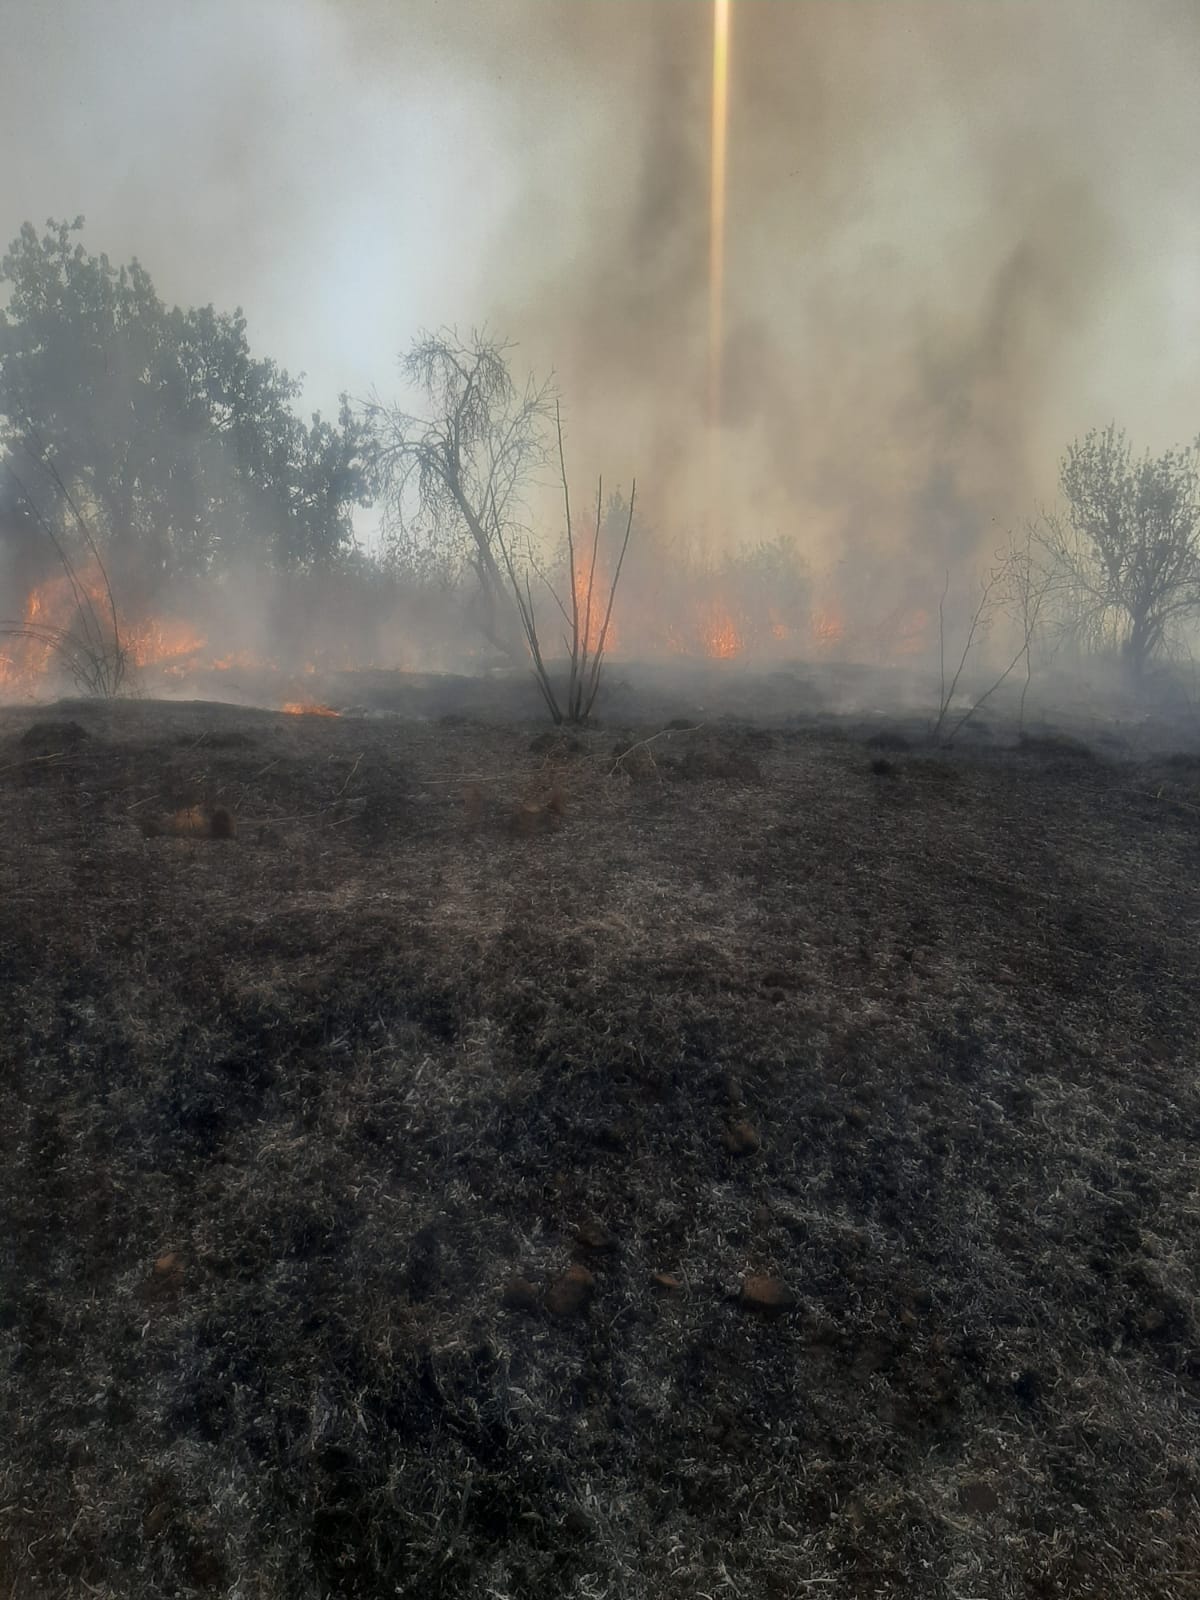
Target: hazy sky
{"x": 959, "y": 233}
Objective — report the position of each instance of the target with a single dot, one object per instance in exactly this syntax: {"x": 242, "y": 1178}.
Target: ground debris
{"x": 571, "y": 1292}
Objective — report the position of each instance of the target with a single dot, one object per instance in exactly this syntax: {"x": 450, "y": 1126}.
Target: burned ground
{"x": 767, "y": 1168}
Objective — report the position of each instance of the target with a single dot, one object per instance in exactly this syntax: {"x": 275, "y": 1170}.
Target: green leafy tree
{"x": 182, "y": 448}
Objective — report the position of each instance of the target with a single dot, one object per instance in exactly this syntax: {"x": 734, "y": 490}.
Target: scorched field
{"x": 450, "y": 1158}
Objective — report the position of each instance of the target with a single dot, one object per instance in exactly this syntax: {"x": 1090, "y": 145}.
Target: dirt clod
{"x": 519, "y": 1295}
{"x": 742, "y": 1139}
{"x": 570, "y": 1294}
{"x": 191, "y": 822}
{"x": 539, "y": 814}
{"x": 165, "y": 1280}
{"x": 595, "y": 1237}
{"x": 763, "y": 1293}
{"x": 221, "y": 824}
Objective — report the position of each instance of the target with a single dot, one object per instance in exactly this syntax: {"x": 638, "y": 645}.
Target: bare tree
{"x": 1016, "y": 588}
{"x": 585, "y": 646}
{"x": 453, "y": 478}
{"x": 1124, "y": 558}
{"x": 1025, "y": 587}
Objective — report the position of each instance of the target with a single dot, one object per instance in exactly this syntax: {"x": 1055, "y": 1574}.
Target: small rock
{"x": 763, "y": 1293}
{"x": 741, "y": 1139}
{"x": 519, "y": 1295}
{"x": 858, "y": 1116}
{"x": 668, "y": 1282}
{"x": 569, "y": 1294}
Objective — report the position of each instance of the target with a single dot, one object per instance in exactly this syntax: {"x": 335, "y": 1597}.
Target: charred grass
{"x": 687, "y": 1162}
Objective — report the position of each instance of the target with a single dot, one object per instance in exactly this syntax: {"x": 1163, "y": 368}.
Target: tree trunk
{"x": 1139, "y": 647}
{"x": 501, "y": 627}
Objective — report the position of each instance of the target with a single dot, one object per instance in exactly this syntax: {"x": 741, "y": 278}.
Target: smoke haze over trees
{"x": 958, "y": 236}
{"x": 183, "y": 448}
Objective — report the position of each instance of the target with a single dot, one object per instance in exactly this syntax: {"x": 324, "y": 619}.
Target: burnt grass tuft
{"x": 769, "y": 1181}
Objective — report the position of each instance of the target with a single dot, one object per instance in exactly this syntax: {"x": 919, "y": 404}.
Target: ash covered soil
{"x": 760, "y": 1163}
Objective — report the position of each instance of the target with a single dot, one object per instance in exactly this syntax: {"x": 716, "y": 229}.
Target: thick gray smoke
{"x": 958, "y": 235}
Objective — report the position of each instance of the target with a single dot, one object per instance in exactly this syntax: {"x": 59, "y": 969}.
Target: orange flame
{"x": 719, "y": 633}
{"x": 161, "y": 639}
{"x": 591, "y": 625}
{"x": 302, "y": 708}
{"x": 60, "y": 609}
{"x": 829, "y": 626}
{"x": 53, "y": 610}
{"x": 246, "y": 660}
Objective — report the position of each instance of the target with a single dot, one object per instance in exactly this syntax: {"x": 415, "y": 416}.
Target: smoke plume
{"x": 958, "y": 235}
